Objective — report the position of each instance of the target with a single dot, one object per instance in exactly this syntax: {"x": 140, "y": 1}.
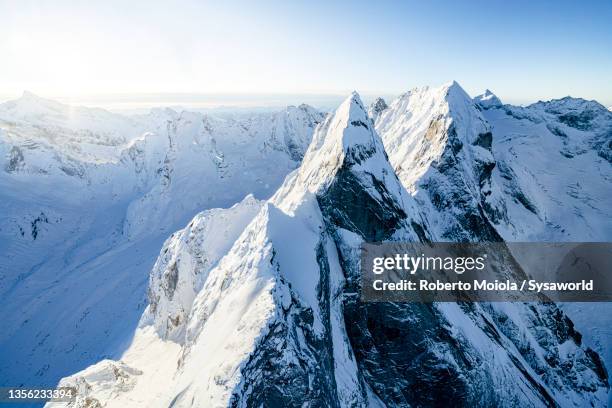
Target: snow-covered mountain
{"x": 255, "y": 301}
{"x": 88, "y": 197}
{"x": 500, "y": 172}
{"x": 487, "y": 100}
{"x": 270, "y": 316}
{"x": 539, "y": 173}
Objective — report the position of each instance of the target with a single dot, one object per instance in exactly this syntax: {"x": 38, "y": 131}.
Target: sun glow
{"x": 72, "y": 48}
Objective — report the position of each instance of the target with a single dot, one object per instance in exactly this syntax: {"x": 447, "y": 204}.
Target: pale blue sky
{"x": 522, "y": 50}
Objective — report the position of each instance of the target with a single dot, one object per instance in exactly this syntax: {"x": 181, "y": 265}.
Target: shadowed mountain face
{"x": 263, "y": 309}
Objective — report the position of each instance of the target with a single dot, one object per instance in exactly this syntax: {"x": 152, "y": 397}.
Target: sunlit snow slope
{"x": 88, "y": 197}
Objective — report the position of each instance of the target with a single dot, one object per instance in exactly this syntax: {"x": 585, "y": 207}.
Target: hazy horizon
{"x": 138, "y": 102}
{"x": 523, "y": 51}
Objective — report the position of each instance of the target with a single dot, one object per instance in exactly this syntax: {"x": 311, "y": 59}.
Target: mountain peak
{"x": 568, "y": 103}
{"x": 30, "y": 103}
{"x": 32, "y": 97}
{"x": 350, "y": 125}
{"x": 29, "y": 95}
{"x": 452, "y": 84}
{"x": 348, "y": 170}
{"x": 454, "y": 92}
{"x": 488, "y": 100}
{"x": 355, "y": 106}
{"x": 377, "y": 107}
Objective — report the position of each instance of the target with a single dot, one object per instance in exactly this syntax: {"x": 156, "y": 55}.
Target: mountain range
{"x": 255, "y": 300}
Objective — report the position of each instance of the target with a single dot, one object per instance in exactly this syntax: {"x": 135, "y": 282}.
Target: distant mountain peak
{"x": 28, "y": 94}
{"x": 32, "y": 103}
{"x": 569, "y": 103}
{"x": 488, "y": 100}
{"x": 32, "y": 97}
{"x": 376, "y": 108}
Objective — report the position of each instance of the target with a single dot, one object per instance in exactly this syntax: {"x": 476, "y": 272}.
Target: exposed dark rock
{"x": 35, "y": 224}
{"x": 578, "y": 120}
{"x": 16, "y": 161}
{"x": 484, "y": 140}
{"x": 349, "y": 205}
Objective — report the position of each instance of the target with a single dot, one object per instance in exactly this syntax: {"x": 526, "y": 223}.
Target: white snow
{"x": 186, "y": 259}
{"x": 88, "y": 197}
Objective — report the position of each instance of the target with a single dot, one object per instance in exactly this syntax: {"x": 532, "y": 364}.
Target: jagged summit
{"x": 352, "y": 118}
{"x": 488, "y": 100}
{"x": 346, "y": 133}
{"x": 420, "y": 125}
{"x": 454, "y": 88}
{"x": 376, "y": 108}
{"x": 446, "y": 97}
{"x": 347, "y": 154}
{"x": 345, "y": 139}
{"x": 440, "y": 145}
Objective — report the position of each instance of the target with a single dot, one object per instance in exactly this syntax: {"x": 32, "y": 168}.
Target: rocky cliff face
{"x": 376, "y": 108}
{"x": 277, "y": 321}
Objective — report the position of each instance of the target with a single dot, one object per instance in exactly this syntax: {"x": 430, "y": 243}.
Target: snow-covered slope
{"x": 554, "y": 165}
{"x": 440, "y": 147}
{"x": 88, "y": 197}
{"x": 540, "y": 173}
{"x": 281, "y": 306}
{"x": 185, "y": 260}
{"x": 559, "y": 155}
{"x": 214, "y": 162}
